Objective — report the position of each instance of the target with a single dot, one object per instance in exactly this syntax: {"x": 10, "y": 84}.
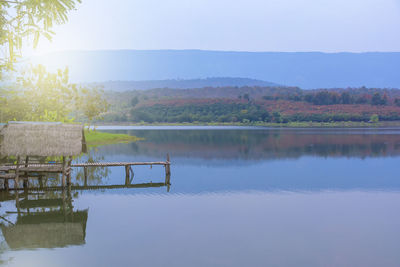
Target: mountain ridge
{"x": 121, "y": 86}
{"x": 307, "y": 70}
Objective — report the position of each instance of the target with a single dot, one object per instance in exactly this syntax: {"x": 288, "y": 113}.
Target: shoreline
{"x": 385, "y": 124}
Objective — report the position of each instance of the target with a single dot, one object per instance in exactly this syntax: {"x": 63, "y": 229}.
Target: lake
{"x": 239, "y": 196}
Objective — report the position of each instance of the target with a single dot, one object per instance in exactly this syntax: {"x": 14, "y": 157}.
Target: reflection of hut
{"x": 25, "y": 140}
{"x": 38, "y": 228}
{"x": 46, "y": 235}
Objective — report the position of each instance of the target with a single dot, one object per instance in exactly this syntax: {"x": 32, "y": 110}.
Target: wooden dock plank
{"x": 116, "y": 164}
{"x": 85, "y": 164}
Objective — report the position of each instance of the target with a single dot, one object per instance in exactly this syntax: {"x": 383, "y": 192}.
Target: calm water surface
{"x": 238, "y": 197}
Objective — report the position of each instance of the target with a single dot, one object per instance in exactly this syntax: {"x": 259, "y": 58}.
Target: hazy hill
{"x": 205, "y": 92}
{"x": 307, "y": 70}
{"x": 181, "y": 84}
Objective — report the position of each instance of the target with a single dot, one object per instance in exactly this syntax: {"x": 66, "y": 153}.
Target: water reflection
{"x": 241, "y": 198}
{"x": 43, "y": 220}
{"x": 262, "y": 144}
{"x": 269, "y": 159}
{"x": 46, "y": 218}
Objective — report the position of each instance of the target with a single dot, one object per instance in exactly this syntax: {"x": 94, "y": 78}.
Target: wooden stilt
{"x": 17, "y": 174}
{"x": 25, "y": 183}
{"x": 127, "y": 167}
{"x": 167, "y": 167}
{"x": 85, "y": 174}
{"x": 6, "y": 184}
{"x": 63, "y": 172}
{"x": 167, "y": 179}
{"x": 69, "y": 171}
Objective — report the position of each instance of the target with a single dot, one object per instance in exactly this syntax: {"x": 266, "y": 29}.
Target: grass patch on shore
{"x": 96, "y": 138}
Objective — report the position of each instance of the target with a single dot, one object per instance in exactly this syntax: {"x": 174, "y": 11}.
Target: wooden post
{"x": 6, "y": 185}
{"x": 167, "y": 167}
{"x": 69, "y": 171}
{"x": 16, "y": 181}
{"x": 129, "y": 175}
{"x": 40, "y": 181}
{"x": 63, "y": 172}
{"x": 26, "y": 182}
{"x": 127, "y": 167}
{"x": 85, "y": 174}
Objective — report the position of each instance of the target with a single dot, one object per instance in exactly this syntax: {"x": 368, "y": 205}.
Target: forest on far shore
{"x": 253, "y": 104}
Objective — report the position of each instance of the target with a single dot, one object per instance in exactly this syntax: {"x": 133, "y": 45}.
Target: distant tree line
{"x": 326, "y": 97}
{"x": 260, "y": 105}
{"x": 236, "y": 112}
{"x": 219, "y": 112}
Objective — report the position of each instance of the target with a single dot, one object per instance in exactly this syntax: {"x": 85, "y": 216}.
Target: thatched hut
{"x": 41, "y": 139}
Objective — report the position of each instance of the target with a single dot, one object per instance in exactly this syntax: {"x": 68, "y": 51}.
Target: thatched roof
{"x": 41, "y": 139}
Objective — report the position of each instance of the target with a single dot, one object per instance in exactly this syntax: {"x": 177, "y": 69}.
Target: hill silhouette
{"x": 304, "y": 69}
{"x": 121, "y": 86}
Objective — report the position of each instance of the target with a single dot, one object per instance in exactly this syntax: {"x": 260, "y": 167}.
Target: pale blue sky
{"x": 239, "y": 25}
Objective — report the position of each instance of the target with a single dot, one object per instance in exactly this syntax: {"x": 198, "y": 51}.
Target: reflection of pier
{"x": 95, "y": 187}
{"x": 46, "y": 218}
{"x": 44, "y": 188}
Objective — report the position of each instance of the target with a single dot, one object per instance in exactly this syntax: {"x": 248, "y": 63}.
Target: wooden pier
{"x": 24, "y": 170}
{"x": 31, "y": 143}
